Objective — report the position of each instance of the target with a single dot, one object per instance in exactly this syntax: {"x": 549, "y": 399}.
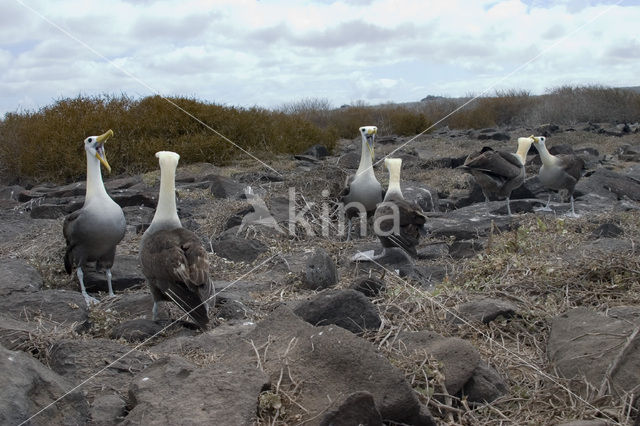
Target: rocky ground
{"x": 528, "y": 319}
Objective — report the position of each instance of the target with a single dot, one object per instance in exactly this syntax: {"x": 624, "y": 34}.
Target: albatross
{"x": 362, "y": 191}
{"x": 558, "y": 172}
{"x": 499, "y": 172}
{"x": 398, "y": 223}
{"x": 173, "y": 259}
{"x": 93, "y": 232}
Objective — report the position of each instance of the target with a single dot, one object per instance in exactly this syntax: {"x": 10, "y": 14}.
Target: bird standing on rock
{"x": 499, "y": 172}
{"x": 398, "y": 222}
{"x": 362, "y": 191}
{"x": 93, "y": 232}
{"x": 173, "y": 259}
{"x": 558, "y": 172}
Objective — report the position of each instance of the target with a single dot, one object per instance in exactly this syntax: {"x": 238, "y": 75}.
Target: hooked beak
{"x": 100, "y": 154}
{"x": 371, "y": 134}
{"x": 534, "y": 139}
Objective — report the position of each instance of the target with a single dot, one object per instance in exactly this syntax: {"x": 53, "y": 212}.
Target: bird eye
{"x": 90, "y": 140}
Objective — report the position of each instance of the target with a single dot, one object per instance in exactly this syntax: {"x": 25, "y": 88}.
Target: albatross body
{"x": 499, "y": 172}
{"x": 398, "y": 222}
{"x": 558, "y": 172}
{"x": 362, "y": 191}
{"x": 93, "y": 232}
{"x": 173, "y": 259}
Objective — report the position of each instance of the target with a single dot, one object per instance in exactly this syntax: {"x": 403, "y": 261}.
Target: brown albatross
{"x": 499, "y": 172}
{"x": 558, "y": 172}
{"x": 173, "y": 258}
{"x": 398, "y": 223}
{"x": 93, "y": 232}
{"x": 362, "y": 191}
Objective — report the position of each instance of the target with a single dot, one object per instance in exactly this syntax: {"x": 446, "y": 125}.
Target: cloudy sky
{"x": 272, "y": 52}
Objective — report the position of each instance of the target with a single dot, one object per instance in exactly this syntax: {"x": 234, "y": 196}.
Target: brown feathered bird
{"x": 398, "y": 223}
{"x": 173, "y": 259}
{"x": 499, "y": 172}
{"x": 558, "y": 172}
{"x": 93, "y": 232}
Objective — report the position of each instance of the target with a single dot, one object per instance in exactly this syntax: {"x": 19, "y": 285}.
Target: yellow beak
{"x": 100, "y": 154}
{"x": 536, "y": 140}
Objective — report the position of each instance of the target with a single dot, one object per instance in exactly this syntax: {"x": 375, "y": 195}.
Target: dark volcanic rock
{"x": 433, "y": 251}
{"x": 238, "y": 249}
{"x": 350, "y": 160}
{"x": 584, "y": 344}
{"x": 359, "y": 408}
{"x": 107, "y": 410}
{"x": 485, "y": 310}
{"x": 320, "y": 271}
{"x": 136, "y": 330}
{"x": 461, "y": 249}
{"x": 126, "y": 273}
{"x": 609, "y": 184}
{"x": 348, "y": 309}
{"x": 485, "y": 385}
{"x": 16, "y": 275}
{"x": 458, "y": 357}
{"x": 175, "y": 391}
{"x": 117, "y": 364}
{"x": 369, "y": 286}
{"x": 16, "y": 334}
{"x": 56, "y": 305}
{"x": 337, "y": 362}
{"x": 607, "y": 230}
{"x": 422, "y": 195}
{"x": 317, "y": 151}
{"x": 28, "y": 386}
{"x": 223, "y": 187}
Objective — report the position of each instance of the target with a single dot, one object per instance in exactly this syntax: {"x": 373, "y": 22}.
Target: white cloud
{"x": 249, "y": 52}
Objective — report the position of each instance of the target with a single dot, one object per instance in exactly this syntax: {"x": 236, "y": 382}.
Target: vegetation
{"x": 46, "y": 144}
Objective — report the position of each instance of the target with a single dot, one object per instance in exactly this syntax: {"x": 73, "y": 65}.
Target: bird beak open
{"x": 100, "y": 154}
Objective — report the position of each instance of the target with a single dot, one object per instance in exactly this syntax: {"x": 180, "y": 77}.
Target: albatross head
{"x": 94, "y": 145}
{"x": 538, "y": 140}
{"x": 368, "y": 135}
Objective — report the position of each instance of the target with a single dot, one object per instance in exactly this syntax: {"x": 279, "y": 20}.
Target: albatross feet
{"x": 542, "y": 209}
{"x": 90, "y": 300}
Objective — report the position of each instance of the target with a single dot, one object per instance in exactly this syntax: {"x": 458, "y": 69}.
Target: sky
{"x": 269, "y": 53}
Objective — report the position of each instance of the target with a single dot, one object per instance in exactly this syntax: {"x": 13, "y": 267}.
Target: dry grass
{"x": 47, "y": 144}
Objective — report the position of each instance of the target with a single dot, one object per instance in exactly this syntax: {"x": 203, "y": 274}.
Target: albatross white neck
{"x": 365, "y": 166}
{"x": 95, "y": 186}
{"x": 394, "y": 165}
{"x": 166, "y": 211}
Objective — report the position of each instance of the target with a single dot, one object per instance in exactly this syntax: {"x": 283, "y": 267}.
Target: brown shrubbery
{"x": 47, "y": 144}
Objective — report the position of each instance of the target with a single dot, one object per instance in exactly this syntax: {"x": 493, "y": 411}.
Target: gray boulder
{"x": 238, "y": 249}
{"x": 16, "y": 275}
{"x": 348, "y": 309}
{"x": 110, "y": 365}
{"x": 59, "y": 306}
{"x": 175, "y": 391}
{"x": 337, "y": 362}
{"x": 597, "y": 349}
{"x": 28, "y": 387}
{"x": 320, "y": 271}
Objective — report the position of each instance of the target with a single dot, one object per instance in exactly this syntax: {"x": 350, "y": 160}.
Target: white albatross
{"x": 362, "y": 191}
{"x": 93, "y": 232}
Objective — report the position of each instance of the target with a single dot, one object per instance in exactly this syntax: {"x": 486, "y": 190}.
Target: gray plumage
{"x": 93, "y": 232}
{"x": 173, "y": 259}
{"x": 558, "y": 172}
{"x": 498, "y": 172}
{"x": 362, "y": 191}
